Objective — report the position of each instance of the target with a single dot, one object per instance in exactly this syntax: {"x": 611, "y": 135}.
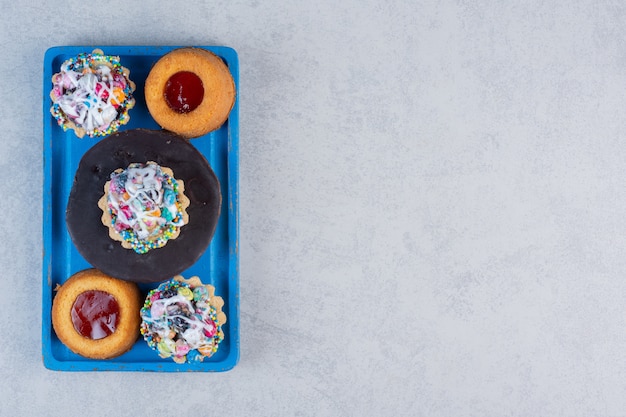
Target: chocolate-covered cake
{"x": 140, "y": 146}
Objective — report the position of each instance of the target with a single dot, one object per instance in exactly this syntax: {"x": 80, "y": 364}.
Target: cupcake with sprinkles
{"x": 182, "y": 319}
{"x": 144, "y": 206}
{"x": 92, "y": 94}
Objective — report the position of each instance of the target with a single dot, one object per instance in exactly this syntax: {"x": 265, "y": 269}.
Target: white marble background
{"x": 432, "y": 208}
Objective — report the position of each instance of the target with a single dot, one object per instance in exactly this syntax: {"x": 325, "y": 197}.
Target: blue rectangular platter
{"x": 219, "y": 266}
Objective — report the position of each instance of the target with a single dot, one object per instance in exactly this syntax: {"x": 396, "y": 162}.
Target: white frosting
{"x": 160, "y": 321}
{"x": 141, "y": 209}
{"x": 93, "y": 103}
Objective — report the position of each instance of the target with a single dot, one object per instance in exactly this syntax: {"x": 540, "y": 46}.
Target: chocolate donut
{"x": 83, "y": 216}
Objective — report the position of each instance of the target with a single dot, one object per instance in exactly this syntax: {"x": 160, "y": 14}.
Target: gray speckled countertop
{"x": 432, "y": 208}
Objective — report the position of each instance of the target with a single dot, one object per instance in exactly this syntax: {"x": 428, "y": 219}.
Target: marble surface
{"x": 432, "y": 208}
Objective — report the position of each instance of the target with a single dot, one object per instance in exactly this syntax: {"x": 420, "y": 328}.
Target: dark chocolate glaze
{"x": 83, "y": 216}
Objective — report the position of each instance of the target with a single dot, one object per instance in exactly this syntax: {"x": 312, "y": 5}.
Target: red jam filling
{"x": 184, "y": 92}
{"x": 95, "y": 314}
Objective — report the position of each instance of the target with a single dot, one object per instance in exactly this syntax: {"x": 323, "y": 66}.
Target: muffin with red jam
{"x": 92, "y": 94}
{"x": 190, "y": 91}
{"x": 95, "y": 315}
{"x": 182, "y": 319}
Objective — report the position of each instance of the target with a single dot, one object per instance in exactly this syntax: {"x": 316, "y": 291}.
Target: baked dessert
{"x": 144, "y": 206}
{"x": 92, "y": 94}
{"x": 190, "y": 91}
{"x": 84, "y": 216}
{"x": 182, "y": 319}
{"x": 95, "y": 315}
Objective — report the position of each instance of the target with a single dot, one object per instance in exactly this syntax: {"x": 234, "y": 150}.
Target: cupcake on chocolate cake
{"x": 144, "y": 206}
{"x": 183, "y": 319}
{"x": 92, "y": 94}
{"x": 154, "y": 217}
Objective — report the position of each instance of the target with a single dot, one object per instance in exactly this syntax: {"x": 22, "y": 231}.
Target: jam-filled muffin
{"x": 182, "y": 319}
{"x": 144, "y": 206}
{"x": 92, "y": 94}
{"x": 95, "y": 315}
{"x": 190, "y": 91}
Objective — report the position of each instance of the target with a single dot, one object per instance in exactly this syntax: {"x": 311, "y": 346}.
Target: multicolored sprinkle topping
{"x": 146, "y": 205}
{"x": 183, "y": 320}
{"x": 92, "y": 94}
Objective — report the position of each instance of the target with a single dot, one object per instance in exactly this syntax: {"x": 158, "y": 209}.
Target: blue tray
{"x": 219, "y": 266}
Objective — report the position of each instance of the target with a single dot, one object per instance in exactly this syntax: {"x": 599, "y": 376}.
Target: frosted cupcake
{"x": 182, "y": 319}
{"x": 92, "y": 94}
{"x": 144, "y": 206}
